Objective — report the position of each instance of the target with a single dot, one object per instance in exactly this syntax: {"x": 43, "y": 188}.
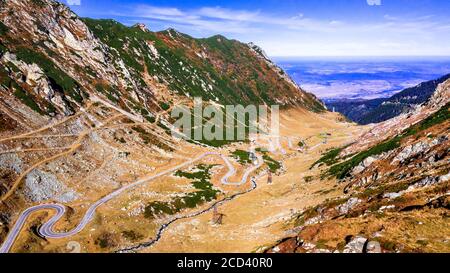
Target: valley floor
{"x": 258, "y": 219}
{"x": 105, "y": 153}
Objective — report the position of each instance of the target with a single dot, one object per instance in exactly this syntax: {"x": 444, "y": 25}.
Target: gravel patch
{"x": 41, "y": 186}
{"x": 11, "y": 162}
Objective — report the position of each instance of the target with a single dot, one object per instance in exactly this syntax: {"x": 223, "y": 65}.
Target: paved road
{"x": 195, "y": 214}
{"x": 224, "y": 180}
{"x": 232, "y": 171}
{"x": 46, "y": 229}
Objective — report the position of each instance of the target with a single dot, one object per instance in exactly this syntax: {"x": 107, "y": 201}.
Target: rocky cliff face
{"x": 397, "y": 190}
{"x": 54, "y": 61}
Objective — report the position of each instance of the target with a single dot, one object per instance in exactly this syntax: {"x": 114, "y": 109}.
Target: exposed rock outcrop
{"x": 356, "y": 245}
{"x": 41, "y": 186}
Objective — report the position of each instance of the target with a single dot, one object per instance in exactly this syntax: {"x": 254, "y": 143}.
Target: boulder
{"x": 410, "y": 151}
{"x": 389, "y": 207}
{"x": 365, "y": 164}
{"x": 426, "y": 182}
{"x": 356, "y": 245}
{"x": 41, "y": 186}
{"x": 350, "y": 204}
{"x": 392, "y": 195}
{"x": 308, "y": 245}
{"x": 373, "y": 247}
{"x": 286, "y": 246}
{"x": 11, "y": 162}
{"x": 439, "y": 140}
{"x": 444, "y": 178}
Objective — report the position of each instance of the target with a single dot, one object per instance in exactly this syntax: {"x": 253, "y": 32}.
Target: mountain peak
{"x": 142, "y": 27}
{"x": 259, "y": 50}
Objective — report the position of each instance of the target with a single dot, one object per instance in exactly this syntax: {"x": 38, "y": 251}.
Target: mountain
{"x": 378, "y": 110}
{"x": 85, "y": 109}
{"x": 396, "y": 179}
{"x": 85, "y": 113}
{"x": 54, "y": 61}
{"x": 354, "y": 109}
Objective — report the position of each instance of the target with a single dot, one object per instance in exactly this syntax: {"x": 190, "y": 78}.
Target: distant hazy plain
{"x": 363, "y": 77}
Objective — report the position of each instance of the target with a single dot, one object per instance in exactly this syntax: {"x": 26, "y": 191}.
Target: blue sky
{"x": 296, "y": 27}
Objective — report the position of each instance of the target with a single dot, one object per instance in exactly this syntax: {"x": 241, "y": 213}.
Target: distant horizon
{"x": 362, "y": 78}
{"x": 408, "y": 57}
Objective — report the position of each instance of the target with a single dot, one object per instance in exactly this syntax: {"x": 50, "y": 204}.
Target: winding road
{"x": 166, "y": 225}
{"x": 47, "y": 229}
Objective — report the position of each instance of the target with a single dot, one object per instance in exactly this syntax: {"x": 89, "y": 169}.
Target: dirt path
{"x": 74, "y": 146}
{"x": 47, "y": 228}
{"x": 45, "y": 127}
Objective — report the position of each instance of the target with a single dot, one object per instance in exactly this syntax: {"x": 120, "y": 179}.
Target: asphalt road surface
{"x": 47, "y": 231}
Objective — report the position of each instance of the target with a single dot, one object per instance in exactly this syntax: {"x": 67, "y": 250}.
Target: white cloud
{"x": 150, "y": 11}
{"x": 374, "y": 2}
{"x": 227, "y": 14}
{"x": 358, "y": 89}
{"x": 227, "y": 20}
{"x": 74, "y": 2}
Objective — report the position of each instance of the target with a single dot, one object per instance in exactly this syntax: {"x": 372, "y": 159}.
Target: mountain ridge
{"x": 128, "y": 69}
{"x": 377, "y": 110}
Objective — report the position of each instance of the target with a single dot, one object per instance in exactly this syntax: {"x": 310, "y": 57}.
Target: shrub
{"x": 132, "y": 235}
{"x": 205, "y": 193}
{"x": 329, "y": 158}
{"x": 3, "y": 49}
{"x": 38, "y": 3}
{"x": 341, "y": 170}
{"x": 273, "y": 165}
{"x": 3, "y": 29}
{"x": 243, "y": 157}
{"x": 165, "y": 106}
{"x": 308, "y": 178}
{"x": 26, "y": 98}
{"x": 150, "y": 139}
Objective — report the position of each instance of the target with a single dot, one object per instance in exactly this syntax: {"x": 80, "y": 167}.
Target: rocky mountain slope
{"x": 378, "y": 110}
{"x": 83, "y": 105}
{"x": 397, "y": 190}
{"x": 84, "y": 108}
{"x": 54, "y": 61}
